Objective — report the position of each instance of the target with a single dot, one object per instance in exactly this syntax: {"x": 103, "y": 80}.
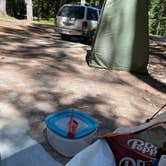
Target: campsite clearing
{"x": 40, "y": 74}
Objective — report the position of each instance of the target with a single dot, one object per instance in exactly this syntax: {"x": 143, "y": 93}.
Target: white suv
{"x": 77, "y": 20}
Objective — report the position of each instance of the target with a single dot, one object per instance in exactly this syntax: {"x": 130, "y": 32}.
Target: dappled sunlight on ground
{"x": 10, "y": 115}
{"x": 40, "y": 73}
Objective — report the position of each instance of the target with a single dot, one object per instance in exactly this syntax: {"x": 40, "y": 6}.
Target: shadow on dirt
{"x": 49, "y": 63}
{"x": 35, "y": 53}
{"x": 39, "y": 42}
{"x": 152, "y": 82}
{"x": 157, "y": 65}
{"x": 36, "y": 116}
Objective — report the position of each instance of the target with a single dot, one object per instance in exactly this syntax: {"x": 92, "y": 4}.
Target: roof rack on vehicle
{"x": 75, "y": 3}
{"x": 79, "y": 3}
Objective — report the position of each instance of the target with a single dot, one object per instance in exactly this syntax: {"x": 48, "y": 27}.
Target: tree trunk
{"x": 101, "y": 3}
{"x": 3, "y": 7}
{"x": 61, "y": 3}
{"x": 82, "y": 2}
{"x": 48, "y": 10}
{"x": 42, "y": 9}
{"x": 29, "y": 10}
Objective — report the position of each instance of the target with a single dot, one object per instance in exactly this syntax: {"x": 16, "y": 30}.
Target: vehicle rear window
{"x": 72, "y": 12}
{"x": 92, "y": 14}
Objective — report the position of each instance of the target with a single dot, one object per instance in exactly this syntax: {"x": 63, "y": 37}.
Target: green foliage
{"x": 16, "y": 8}
{"x": 46, "y": 9}
{"x": 48, "y": 21}
{"x": 157, "y": 17}
{"x": 42, "y": 9}
{"x": 7, "y": 17}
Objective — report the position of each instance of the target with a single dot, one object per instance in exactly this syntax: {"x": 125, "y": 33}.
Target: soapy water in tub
{"x": 63, "y": 124}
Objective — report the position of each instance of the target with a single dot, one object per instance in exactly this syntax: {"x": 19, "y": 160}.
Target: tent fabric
{"x": 121, "y": 40}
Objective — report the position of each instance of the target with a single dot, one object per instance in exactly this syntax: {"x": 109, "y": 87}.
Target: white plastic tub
{"x": 57, "y": 127}
{"x": 69, "y": 147}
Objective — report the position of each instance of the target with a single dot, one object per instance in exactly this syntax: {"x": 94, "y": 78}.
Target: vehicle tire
{"x": 89, "y": 38}
{"x": 65, "y": 37}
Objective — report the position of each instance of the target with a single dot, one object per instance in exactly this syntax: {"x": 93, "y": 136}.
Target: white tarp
{"x": 97, "y": 154}
{"x": 162, "y": 161}
{"x": 18, "y": 149}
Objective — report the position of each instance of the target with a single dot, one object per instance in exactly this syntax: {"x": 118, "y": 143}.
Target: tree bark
{"x": 82, "y": 2}
{"x": 29, "y": 10}
{"x": 101, "y": 3}
{"x": 3, "y": 7}
{"x": 48, "y": 10}
{"x": 61, "y": 3}
{"x": 42, "y": 9}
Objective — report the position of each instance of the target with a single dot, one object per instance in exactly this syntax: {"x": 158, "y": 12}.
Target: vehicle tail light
{"x": 84, "y": 25}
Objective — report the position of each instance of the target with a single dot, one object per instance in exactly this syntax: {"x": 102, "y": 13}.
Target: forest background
{"x": 45, "y": 11}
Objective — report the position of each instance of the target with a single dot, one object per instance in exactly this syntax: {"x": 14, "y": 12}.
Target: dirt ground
{"x": 40, "y": 74}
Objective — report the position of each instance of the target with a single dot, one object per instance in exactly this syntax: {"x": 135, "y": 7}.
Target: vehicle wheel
{"x": 65, "y": 37}
{"x": 89, "y": 38}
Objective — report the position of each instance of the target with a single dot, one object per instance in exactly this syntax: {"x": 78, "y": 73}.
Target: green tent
{"x": 121, "y": 40}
